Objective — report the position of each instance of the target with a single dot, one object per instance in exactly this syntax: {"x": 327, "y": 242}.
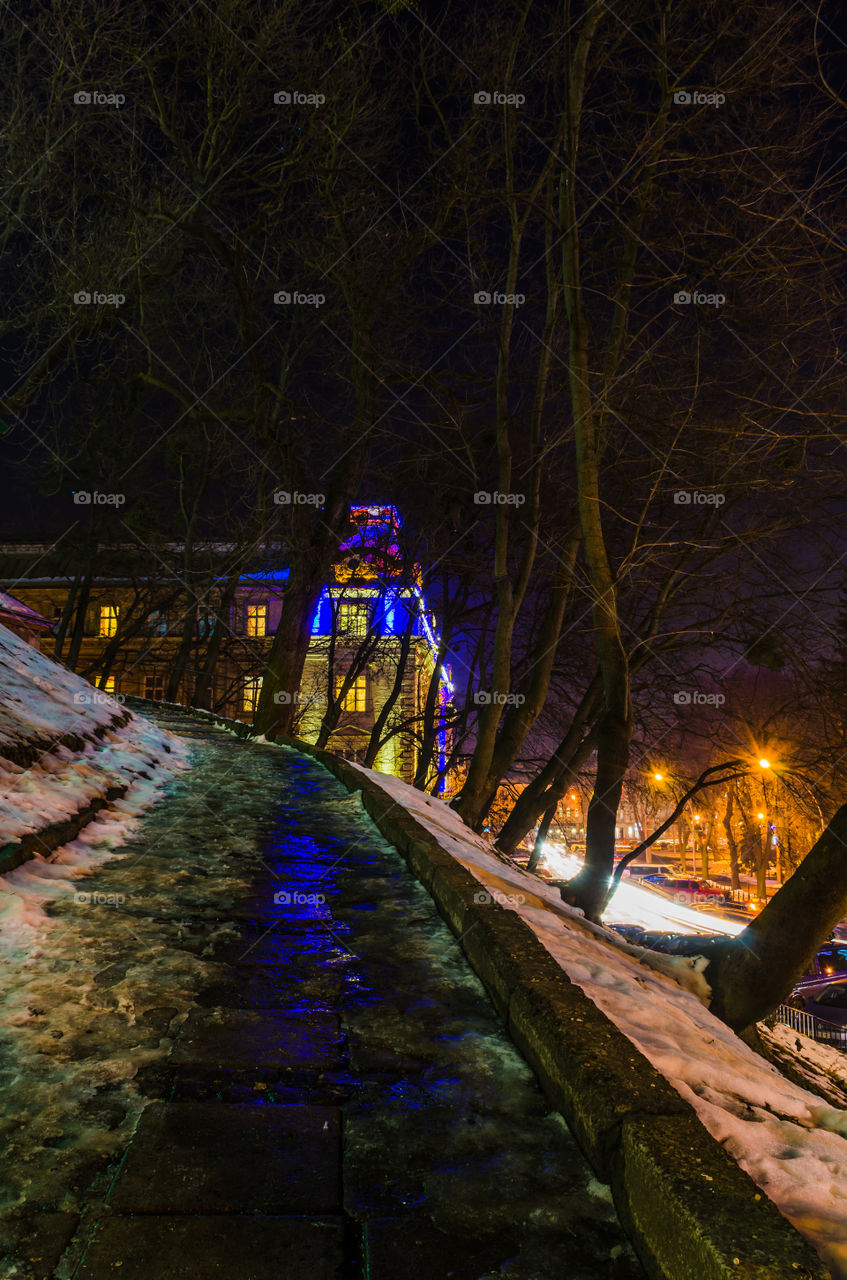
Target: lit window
{"x": 356, "y": 697}
{"x": 108, "y": 619}
{"x": 109, "y": 686}
{"x": 257, "y": 622}
{"x": 252, "y": 686}
{"x": 353, "y": 618}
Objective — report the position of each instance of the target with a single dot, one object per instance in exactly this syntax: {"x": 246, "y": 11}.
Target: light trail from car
{"x": 633, "y": 904}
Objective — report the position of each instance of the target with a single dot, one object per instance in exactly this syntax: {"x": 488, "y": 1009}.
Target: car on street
{"x": 694, "y": 944}
{"x": 631, "y": 932}
{"x": 827, "y": 967}
{"x": 673, "y": 944}
{"x": 687, "y": 892}
{"x": 726, "y": 911}
{"x": 829, "y": 1002}
{"x": 656, "y": 940}
{"x": 638, "y": 870}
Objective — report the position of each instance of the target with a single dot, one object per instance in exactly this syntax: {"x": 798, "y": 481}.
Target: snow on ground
{"x": 105, "y": 948}
{"x": 26, "y": 891}
{"x": 41, "y": 699}
{"x": 821, "y": 1066}
{"x": 62, "y": 781}
{"x": 72, "y": 1040}
{"x": 40, "y": 703}
{"x": 791, "y": 1143}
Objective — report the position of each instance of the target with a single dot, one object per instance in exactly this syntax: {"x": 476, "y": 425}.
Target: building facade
{"x": 203, "y": 638}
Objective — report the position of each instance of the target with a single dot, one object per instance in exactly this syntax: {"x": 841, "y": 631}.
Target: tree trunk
{"x": 684, "y": 832}
{"x": 275, "y": 719}
{"x": 335, "y": 698}
{"x": 731, "y": 843}
{"x": 549, "y": 815}
{"x": 704, "y": 850}
{"x": 180, "y": 664}
{"x": 762, "y": 852}
{"x": 753, "y": 973}
{"x": 432, "y": 712}
{"x": 78, "y": 632}
{"x": 375, "y": 740}
{"x": 67, "y": 614}
{"x": 589, "y": 889}
{"x": 556, "y": 776}
{"x": 203, "y": 687}
{"x": 519, "y": 720}
{"x": 312, "y": 553}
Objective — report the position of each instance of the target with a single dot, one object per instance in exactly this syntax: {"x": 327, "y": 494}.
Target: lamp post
{"x": 574, "y": 798}
{"x": 784, "y": 774}
{"x": 762, "y": 888}
{"x": 660, "y": 777}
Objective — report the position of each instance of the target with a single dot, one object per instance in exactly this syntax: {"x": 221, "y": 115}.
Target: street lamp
{"x": 575, "y": 798}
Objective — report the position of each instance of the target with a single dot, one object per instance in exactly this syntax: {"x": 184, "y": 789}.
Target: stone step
{"x": 205, "y": 1248}
{"x": 212, "y": 1158}
{"x": 247, "y": 1039}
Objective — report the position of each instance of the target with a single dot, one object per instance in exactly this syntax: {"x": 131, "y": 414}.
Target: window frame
{"x": 359, "y": 686}
{"x": 253, "y": 685}
{"x": 840, "y": 991}
{"x": 158, "y": 691}
{"x": 254, "y": 612}
{"x": 358, "y": 609}
{"x": 109, "y": 615}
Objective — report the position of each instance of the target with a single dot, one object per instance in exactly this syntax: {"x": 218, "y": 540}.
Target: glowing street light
{"x": 658, "y": 776}
{"x": 764, "y": 764}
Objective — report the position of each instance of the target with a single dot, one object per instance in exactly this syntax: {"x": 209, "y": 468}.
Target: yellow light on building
{"x": 251, "y": 690}
{"x": 257, "y": 620}
{"x": 356, "y": 697}
{"x": 108, "y": 620}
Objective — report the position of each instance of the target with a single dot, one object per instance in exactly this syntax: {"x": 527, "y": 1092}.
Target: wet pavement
{"x": 324, "y": 1092}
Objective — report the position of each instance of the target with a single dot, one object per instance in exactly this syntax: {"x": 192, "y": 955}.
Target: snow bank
{"x": 40, "y": 704}
{"x": 39, "y": 699}
{"x": 822, "y": 1067}
{"x": 792, "y": 1145}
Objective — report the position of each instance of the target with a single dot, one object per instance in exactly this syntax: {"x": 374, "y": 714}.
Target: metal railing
{"x": 813, "y": 1027}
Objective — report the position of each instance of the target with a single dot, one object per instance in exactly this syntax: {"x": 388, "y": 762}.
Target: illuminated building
{"x": 128, "y": 628}
{"x": 371, "y": 603}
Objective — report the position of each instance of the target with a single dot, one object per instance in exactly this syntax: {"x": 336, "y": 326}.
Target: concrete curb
{"x": 688, "y": 1207}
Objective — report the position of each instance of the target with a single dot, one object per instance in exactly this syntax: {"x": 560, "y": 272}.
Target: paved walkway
{"x": 342, "y": 1100}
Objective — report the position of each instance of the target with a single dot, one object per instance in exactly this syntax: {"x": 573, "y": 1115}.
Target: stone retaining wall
{"x": 691, "y": 1212}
